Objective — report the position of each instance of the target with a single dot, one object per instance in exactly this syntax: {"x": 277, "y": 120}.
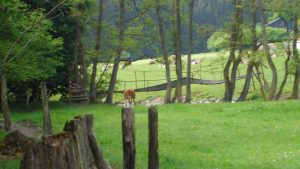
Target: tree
{"x": 80, "y": 12}
{"x": 178, "y": 53}
{"x": 112, "y": 84}
{"x": 295, "y": 93}
{"x": 235, "y": 42}
{"x": 93, "y": 90}
{"x": 286, "y": 65}
{"x": 271, "y": 64}
{"x": 21, "y": 31}
{"x": 188, "y": 75}
{"x": 165, "y": 52}
{"x": 251, "y": 63}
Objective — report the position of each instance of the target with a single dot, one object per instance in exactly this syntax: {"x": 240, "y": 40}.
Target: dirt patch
{"x": 27, "y": 128}
{"x": 152, "y": 102}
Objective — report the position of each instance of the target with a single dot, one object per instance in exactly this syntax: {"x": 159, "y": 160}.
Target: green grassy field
{"x": 250, "y": 135}
{"x": 211, "y": 68}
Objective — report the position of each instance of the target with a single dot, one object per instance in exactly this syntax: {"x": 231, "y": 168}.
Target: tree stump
{"x": 75, "y": 148}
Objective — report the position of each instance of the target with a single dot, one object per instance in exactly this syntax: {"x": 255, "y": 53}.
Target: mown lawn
{"x": 258, "y": 135}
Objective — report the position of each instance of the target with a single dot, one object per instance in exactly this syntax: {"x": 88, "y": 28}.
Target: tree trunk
{"x": 227, "y": 93}
{"x": 235, "y": 32}
{"x": 93, "y": 90}
{"x": 75, "y": 148}
{"x": 178, "y": 53}
{"x": 250, "y": 66}
{"x": 257, "y": 75}
{"x": 273, "y": 88}
{"x": 4, "y": 104}
{"x": 112, "y": 84}
{"x": 76, "y": 52}
{"x": 234, "y": 70}
{"x": 265, "y": 82}
{"x": 246, "y": 87}
{"x": 28, "y": 96}
{"x": 174, "y": 96}
{"x": 46, "y": 114}
{"x": 295, "y": 93}
{"x": 189, "y": 66}
{"x": 286, "y": 65}
{"x": 84, "y": 68}
{"x": 286, "y": 74}
{"x": 165, "y": 52}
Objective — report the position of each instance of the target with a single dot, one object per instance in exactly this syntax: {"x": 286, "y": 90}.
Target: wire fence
{"x": 208, "y": 70}
{"x": 214, "y": 72}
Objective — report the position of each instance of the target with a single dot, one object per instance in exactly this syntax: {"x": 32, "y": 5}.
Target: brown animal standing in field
{"x": 129, "y": 96}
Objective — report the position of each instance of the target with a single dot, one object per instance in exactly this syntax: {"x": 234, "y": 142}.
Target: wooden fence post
{"x": 200, "y": 70}
{"x": 128, "y": 136}
{"x": 144, "y": 79}
{"x": 136, "y": 85}
{"x": 46, "y": 114}
{"x": 213, "y": 72}
{"x": 153, "y": 160}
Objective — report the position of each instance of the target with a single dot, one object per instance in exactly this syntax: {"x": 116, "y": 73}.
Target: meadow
{"x": 210, "y": 68}
{"x": 250, "y": 135}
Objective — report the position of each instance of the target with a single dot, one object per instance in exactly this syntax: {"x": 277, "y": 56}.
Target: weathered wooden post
{"x": 128, "y": 136}
{"x": 95, "y": 149}
{"x": 153, "y": 160}
{"x": 46, "y": 114}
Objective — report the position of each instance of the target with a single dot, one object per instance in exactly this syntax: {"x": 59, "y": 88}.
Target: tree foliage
{"x": 220, "y": 39}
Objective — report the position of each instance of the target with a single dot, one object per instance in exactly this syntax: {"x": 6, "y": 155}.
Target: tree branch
{"x": 139, "y": 14}
{"x": 22, "y": 48}
{"x": 136, "y": 7}
{"x": 33, "y": 24}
